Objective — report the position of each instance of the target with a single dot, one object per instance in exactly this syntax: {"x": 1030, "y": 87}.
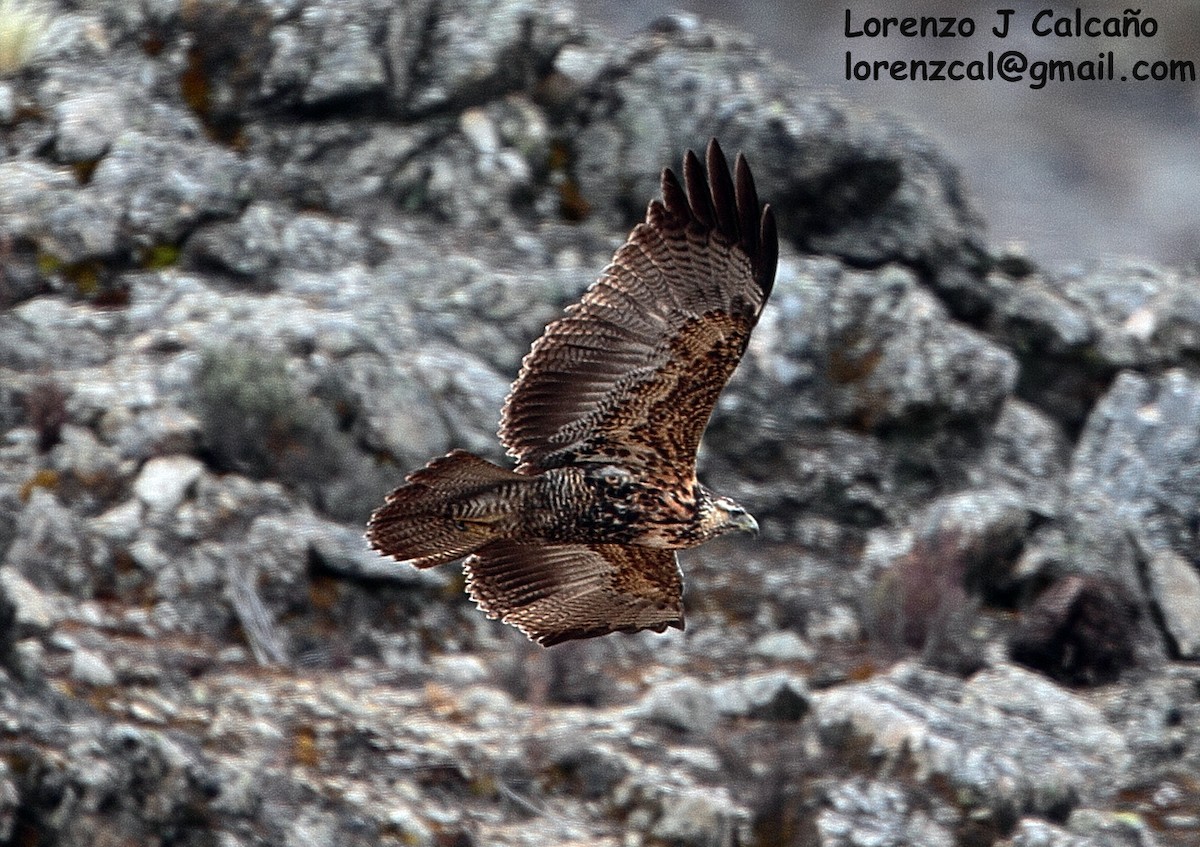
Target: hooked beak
{"x": 745, "y": 522}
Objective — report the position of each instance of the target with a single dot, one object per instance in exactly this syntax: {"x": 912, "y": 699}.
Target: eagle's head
{"x": 720, "y": 514}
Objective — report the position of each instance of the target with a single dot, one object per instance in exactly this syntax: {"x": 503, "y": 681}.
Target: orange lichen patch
{"x": 443, "y": 702}
{"x": 862, "y": 672}
{"x": 45, "y": 478}
{"x": 324, "y": 592}
{"x": 572, "y": 205}
{"x": 193, "y": 83}
{"x": 304, "y": 747}
{"x": 102, "y": 700}
{"x": 845, "y": 367}
{"x": 485, "y": 785}
{"x": 222, "y": 72}
{"x": 560, "y": 156}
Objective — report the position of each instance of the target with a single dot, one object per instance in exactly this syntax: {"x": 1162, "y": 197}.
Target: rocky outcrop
{"x": 261, "y": 259}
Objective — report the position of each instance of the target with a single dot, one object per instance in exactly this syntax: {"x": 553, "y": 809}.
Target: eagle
{"x": 604, "y": 421}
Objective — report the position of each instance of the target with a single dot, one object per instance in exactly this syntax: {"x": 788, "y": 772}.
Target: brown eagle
{"x": 604, "y": 420}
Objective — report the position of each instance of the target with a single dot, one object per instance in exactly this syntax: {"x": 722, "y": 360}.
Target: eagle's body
{"x": 604, "y": 420}
{"x": 599, "y": 504}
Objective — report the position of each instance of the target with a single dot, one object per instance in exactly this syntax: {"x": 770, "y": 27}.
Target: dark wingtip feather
{"x": 747, "y": 205}
{"x": 698, "y": 192}
{"x": 674, "y": 198}
{"x": 724, "y": 197}
{"x": 768, "y": 252}
{"x": 717, "y": 200}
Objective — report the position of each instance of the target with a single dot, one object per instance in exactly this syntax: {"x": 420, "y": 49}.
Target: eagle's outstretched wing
{"x": 557, "y": 592}
{"x": 631, "y": 373}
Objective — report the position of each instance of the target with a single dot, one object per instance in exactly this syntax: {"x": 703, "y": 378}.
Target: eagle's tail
{"x": 447, "y": 509}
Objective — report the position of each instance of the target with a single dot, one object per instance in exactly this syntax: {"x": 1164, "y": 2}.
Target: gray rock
{"x": 460, "y": 54}
{"x": 1128, "y": 314}
{"x": 984, "y": 526}
{"x": 1038, "y": 833}
{"x": 890, "y": 354}
{"x": 1135, "y": 476}
{"x": 141, "y": 433}
{"x": 470, "y": 394}
{"x": 86, "y": 124}
{"x": 1007, "y": 737}
{"x": 855, "y": 363}
{"x": 433, "y": 182}
{"x": 147, "y": 553}
{"x": 933, "y": 574}
{"x": 1175, "y": 588}
{"x": 31, "y": 611}
{"x": 684, "y": 704}
{"x": 83, "y": 226}
{"x": 165, "y": 187}
{"x": 327, "y": 55}
{"x": 348, "y": 62}
{"x": 321, "y": 244}
{"x": 1079, "y": 325}
{"x": 697, "y": 818}
{"x": 50, "y": 548}
{"x": 459, "y": 671}
{"x": 861, "y": 812}
{"x": 91, "y": 668}
{"x": 1108, "y": 828}
{"x": 10, "y": 803}
{"x": 250, "y": 246}
{"x": 776, "y": 695}
{"x": 835, "y": 175}
{"x": 480, "y": 131}
{"x": 81, "y": 454}
{"x": 28, "y": 191}
{"x": 48, "y": 329}
{"x": 8, "y": 104}
{"x": 783, "y": 645}
{"x": 46, "y": 205}
{"x": 595, "y": 769}
{"x": 164, "y": 481}
{"x": 1028, "y": 453}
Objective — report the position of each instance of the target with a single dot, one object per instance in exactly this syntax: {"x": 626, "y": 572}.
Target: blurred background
{"x": 1074, "y": 171}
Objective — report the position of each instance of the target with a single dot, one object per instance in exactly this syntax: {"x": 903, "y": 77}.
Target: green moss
{"x": 160, "y": 256}
{"x": 87, "y": 277}
{"x": 48, "y": 263}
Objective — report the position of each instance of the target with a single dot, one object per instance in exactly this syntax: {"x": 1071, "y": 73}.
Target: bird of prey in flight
{"x": 604, "y": 420}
